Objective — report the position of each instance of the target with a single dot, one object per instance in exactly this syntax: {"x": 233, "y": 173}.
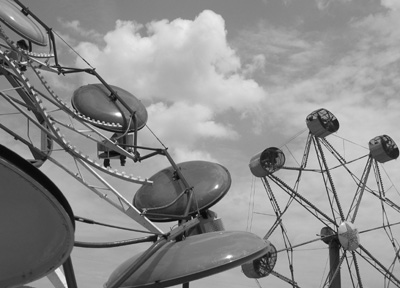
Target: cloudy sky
{"x": 221, "y": 81}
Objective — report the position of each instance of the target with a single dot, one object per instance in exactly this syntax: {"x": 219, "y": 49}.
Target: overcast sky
{"x": 221, "y": 81}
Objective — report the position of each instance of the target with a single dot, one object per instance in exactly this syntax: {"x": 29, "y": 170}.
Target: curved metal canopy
{"x": 193, "y": 258}
{"x": 23, "y": 25}
{"x": 95, "y": 101}
{"x": 211, "y": 181}
{"x": 37, "y": 223}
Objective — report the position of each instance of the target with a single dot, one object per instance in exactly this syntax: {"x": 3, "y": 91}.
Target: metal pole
{"x": 69, "y": 273}
{"x": 334, "y": 259}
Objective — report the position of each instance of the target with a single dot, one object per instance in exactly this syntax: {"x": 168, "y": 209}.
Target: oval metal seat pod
{"x": 23, "y": 25}
{"x": 193, "y": 258}
{"x": 211, "y": 181}
{"x": 263, "y": 266}
{"x": 383, "y": 149}
{"x": 37, "y": 223}
{"x": 267, "y": 162}
{"x": 322, "y": 123}
{"x": 94, "y": 101}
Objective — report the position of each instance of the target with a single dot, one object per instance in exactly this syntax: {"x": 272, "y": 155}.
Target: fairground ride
{"x": 38, "y": 223}
{"x": 336, "y": 192}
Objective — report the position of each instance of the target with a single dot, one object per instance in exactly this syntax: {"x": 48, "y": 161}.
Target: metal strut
{"x": 314, "y": 210}
{"x": 279, "y": 214}
{"x": 355, "y": 204}
{"x": 330, "y": 189}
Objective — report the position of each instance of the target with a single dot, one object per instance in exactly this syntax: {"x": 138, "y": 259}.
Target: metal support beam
{"x": 334, "y": 260}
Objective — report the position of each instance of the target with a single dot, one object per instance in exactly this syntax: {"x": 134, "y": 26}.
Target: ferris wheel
{"x": 338, "y": 193}
{"x": 37, "y": 220}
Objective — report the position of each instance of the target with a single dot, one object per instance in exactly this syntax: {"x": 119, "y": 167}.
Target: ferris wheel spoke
{"x": 360, "y": 192}
{"x": 271, "y": 230}
{"x": 335, "y": 153}
{"x": 288, "y": 249}
{"x": 279, "y": 222}
{"x": 275, "y": 207}
{"x": 387, "y": 226}
{"x": 286, "y": 279}
{"x": 357, "y": 269}
{"x": 349, "y": 265}
{"x": 314, "y": 210}
{"x": 328, "y": 181}
{"x": 303, "y": 161}
{"x": 367, "y": 256}
{"x": 381, "y": 193}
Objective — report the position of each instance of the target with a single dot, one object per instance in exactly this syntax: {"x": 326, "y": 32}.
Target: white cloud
{"x": 184, "y": 154}
{"x": 353, "y": 74}
{"x": 183, "y": 124}
{"x": 76, "y": 27}
{"x": 179, "y": 60}
{"x": 391, "y": 4}
{"x": 285, "y": 53}
{"x": 324, "y": 4}
{"x": 181, "y": 65}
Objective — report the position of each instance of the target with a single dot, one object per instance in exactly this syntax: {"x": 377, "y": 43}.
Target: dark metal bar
{"x": 330, "y": 189}
{"x": 135, "y": 136}
{"x": 334, "y": 260}
{"x": 169, "y": 216}
{"x": 303, "y": 201}
{"x": 90, "y": 221}
{"x": 115, "y": 243}
{"x": 69, "y": 273}
{"x": 355, "y": 204}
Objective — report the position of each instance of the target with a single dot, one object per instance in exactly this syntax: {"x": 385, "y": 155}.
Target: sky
{"x": 223, "y": 80}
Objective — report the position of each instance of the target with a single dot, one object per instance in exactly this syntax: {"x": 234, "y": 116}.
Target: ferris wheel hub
{"x": 348, "y": 236}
